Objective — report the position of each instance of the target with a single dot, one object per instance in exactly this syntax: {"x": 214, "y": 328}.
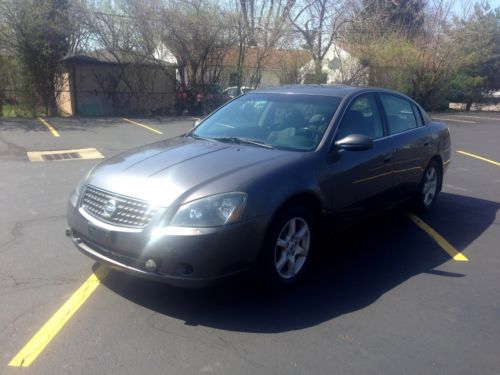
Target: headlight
{"x": 212, "y": 211}
{"x": 78, "y": 190}
{"x": 76, "y": 193}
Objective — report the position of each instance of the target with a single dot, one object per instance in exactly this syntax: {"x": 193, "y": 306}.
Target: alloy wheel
{"x": 430, "y": 186}
{"x": 292, "y": 247}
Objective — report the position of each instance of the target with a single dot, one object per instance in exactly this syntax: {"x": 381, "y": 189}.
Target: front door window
{"x": 363, "y": 118}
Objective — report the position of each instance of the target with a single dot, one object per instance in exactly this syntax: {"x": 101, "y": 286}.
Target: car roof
{"x": 327, "y": 90}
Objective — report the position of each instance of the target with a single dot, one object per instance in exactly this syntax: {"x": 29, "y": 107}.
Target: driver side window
{"x": 362, "y": 117}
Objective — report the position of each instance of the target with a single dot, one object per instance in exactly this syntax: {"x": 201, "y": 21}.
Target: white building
{"x": 340, "y": 67}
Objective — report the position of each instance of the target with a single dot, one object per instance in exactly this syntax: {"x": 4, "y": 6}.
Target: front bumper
{"x": 185, "y": 257}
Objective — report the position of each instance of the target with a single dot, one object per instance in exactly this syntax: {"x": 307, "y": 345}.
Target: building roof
{"x": 275, "y": 59}
{"x": 110, "y": 57}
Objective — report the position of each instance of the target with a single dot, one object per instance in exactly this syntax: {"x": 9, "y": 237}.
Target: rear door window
{"x": 399, "y": 114}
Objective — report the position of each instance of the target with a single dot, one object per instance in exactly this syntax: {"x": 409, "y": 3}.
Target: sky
{"x": 458, "y": 6}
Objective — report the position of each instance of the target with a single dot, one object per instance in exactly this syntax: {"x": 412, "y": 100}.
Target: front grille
{"x": 116, "y": 209}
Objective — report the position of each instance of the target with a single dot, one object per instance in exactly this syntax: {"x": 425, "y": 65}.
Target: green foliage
{"x": 455, "y": 60}
{"x": 391, "y": 59}
{"x": 40, "y": 32}
{"x": 480, "y": 68}
{"x": 316, "y": 78}
{"x": 466, "y": 88}
{"x": 44, "y": 41}
{"x": 483, "y": 49}
{"x": 10, "y": 85}
{"x": 15, "y": 110}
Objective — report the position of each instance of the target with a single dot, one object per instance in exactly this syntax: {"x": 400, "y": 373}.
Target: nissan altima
{"x": 250, "y": 186}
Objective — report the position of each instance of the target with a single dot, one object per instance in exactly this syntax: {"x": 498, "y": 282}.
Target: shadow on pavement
{"x": 25, "y": 124}
{"x": 33, "y": 125}
{"x": 356, "y": 267}
{"x": 79, "y": 123}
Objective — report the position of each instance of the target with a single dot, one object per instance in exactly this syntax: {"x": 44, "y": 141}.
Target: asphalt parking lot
{"x": 386, "y": 298}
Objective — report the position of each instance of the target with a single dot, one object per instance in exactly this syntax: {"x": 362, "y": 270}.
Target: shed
{"x": 104, "y": 83}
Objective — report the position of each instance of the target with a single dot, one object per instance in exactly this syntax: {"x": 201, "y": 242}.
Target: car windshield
{"x": 287, "y": 121}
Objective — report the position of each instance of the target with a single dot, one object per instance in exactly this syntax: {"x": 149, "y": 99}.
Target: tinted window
{"x": 399, "y": 114}
{"x": 295, "y": 122}
{"x": 363, "y": 118}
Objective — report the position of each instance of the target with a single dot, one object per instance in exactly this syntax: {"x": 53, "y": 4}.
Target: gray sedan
{"x": 251, "y": 185}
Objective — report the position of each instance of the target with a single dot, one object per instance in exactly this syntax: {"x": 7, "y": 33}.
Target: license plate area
{"x": 100, "y": 235}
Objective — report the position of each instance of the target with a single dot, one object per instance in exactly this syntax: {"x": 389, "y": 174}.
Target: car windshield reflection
{"x": 294, "y": 122}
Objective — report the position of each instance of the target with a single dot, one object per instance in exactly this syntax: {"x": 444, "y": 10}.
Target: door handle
{"x": 387, "y": 158}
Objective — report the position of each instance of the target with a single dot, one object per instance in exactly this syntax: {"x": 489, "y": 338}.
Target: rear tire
{"x": 288, "y": 247}
{"x": 429, "y": 188}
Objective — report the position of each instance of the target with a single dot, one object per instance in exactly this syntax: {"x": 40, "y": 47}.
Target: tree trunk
{"x": 239, "y": 67}
{"x": 467, "y": 106}
{"x": 53, "y": 108}
{"x": 182, "y": 75}
{"x": 318, "y": 68}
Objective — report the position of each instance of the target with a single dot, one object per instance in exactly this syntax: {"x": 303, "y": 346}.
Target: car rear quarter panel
{"x": 441, "y": 145}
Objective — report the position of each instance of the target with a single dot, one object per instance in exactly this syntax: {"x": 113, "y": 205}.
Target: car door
{"x": 354, "y": 180}
{"x": 411, "y": 142}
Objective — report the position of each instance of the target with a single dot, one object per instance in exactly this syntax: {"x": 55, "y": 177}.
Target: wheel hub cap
{"x": 430, "y": 186}
{"x": 292, "y": 247}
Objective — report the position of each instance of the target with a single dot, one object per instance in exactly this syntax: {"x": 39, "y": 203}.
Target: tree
{"x": 3, "y": 83}
{"x": 451, "y": 49}
{"x": 480, "y": 71}
{"x": 320, "y": 22}
{"x": 261, "y": 25}
{"x": 403, "y": 16}
{"x": 432, "y": 65}
{"x": 199, "y": 33}
{"x": 40, "y": 32}
{"x": 80, "y": 34}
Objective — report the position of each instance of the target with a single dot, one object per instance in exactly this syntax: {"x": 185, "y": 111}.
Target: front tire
{"x": 429, "y": 187}
{"x": 288, "y": 247}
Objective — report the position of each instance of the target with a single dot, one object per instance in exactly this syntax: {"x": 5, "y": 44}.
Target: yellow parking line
{"x": 445, "y": 245}
{"x": 50, "y": 127}
{"x": 449, "y": 119}
{"x": 142, "y": 125}
{"x": 50, "y": 329}
{"x": 479, "y": 157}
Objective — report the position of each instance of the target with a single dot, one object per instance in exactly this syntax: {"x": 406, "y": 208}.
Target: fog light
{"x": 69, "y": 232}
{"x": 151, "y": 265}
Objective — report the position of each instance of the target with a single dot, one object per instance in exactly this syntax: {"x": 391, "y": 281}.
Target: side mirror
{"x": 354, "y": 142}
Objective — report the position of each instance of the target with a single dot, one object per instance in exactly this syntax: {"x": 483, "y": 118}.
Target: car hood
{"x": 173, "y": 169}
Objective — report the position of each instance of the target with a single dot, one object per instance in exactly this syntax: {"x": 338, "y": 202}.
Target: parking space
{"x": 384, "y": 297}
{"x": 109, "y": 135}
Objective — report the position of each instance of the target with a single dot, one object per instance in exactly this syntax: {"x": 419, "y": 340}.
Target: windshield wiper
{"x": 196, "y": 136}
{"x": 249, "y": 141}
